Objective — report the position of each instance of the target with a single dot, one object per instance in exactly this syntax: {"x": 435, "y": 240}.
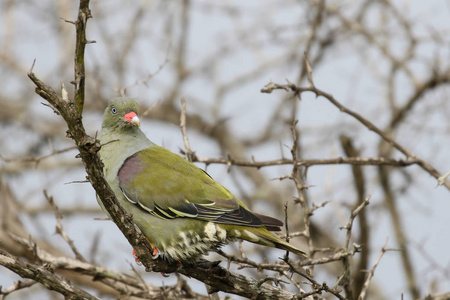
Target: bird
{"x": 182, "y": 211}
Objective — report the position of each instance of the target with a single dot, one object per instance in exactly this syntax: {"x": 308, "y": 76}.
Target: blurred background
{"x": 386, "y": 60}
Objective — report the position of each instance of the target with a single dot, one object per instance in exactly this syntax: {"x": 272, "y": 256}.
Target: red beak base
{"x": 132, "y": 118}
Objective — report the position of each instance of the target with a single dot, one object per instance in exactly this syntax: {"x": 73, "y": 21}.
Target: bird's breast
{"x": 189, "y": 244}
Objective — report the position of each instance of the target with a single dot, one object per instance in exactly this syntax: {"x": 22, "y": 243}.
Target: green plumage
{"x": 182, "y": 211}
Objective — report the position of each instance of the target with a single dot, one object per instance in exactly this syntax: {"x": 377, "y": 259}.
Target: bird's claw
{"x": 136, "y": 259}
{"x": 155, "y": 255}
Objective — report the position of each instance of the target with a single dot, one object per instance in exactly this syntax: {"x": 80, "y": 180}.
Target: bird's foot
{"x": 155, "y": 252}
{"x": 136, "y": 259}
{"x": 155, "y": 255}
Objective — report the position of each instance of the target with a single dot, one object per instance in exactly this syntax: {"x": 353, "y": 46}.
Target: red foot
{"x": 155, "y": 252}
{"x": 136, "y": 259}
{"x": 155, "y": 255}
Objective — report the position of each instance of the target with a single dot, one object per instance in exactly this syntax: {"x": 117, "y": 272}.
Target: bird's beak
{"x": 132, "y": 118}
{"x": 135, "y": 120}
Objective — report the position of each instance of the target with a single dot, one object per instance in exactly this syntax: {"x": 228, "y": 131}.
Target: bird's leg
{"x": 136, "y": 259}
{"x": 155, "y": 254}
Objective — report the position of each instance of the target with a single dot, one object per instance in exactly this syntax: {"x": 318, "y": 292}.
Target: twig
{"x": 59, "y": 228}
{"x": 308, "y": 70}
{"x": 353, "y": 282}
{"x": 353, "y": 215}
{"x": 42, "y": 275}
{"x": 286, "y": 226}
{"x": 139, "y": 277}
{"x": 84, "y": 13}
{"x": 317, "y": 287}
{"x": 247, "y": 263}
{"x": 399, "y": 231}
{"x": 37, "y": 159}
{"x": 89, "y": 146}
{"x": 365, "y": 287}
{"x": 295, "y": 176}
{"x": 123, "y": 283}
{"x": 146, "y": 79}
{"x": 189, "y": 154}
{"x": 441, "y": 180}
{"x": 369, "y": 125}
{"x": 370, "y": 161}
{"x": 16, "y": 287}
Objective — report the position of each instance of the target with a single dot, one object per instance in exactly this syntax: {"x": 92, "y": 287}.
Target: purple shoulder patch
{"x": 130, "y": 169}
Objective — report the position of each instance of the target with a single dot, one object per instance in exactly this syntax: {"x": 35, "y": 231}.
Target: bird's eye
{"x": 114, "y": 110}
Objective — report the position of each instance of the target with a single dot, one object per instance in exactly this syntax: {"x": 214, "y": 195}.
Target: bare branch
{"x": 409, "y": 155}
{"x": 189, "y": 154}
{"x": 84, "y": 13}
{"x": 17, "y": 286}
{"x": 362, "y": 295}
{"x": 60, "y": 229}
{"x": 353, "y": 215}
{"x": 43, "y": 276}
{"x": 370, "y": 161}
{"x": 37, "y": 159}
{"x": 308, "y": 70}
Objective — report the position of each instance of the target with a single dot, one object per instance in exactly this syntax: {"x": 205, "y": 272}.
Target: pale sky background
{"x": 424, "y": 207}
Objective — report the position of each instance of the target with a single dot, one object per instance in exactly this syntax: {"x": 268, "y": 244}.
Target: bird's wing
{"x": 166, "y": 185}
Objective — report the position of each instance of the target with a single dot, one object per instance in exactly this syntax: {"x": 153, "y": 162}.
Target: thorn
{"x": 308, "y": 70}
{"x": 136, "y": 259}
{"x": 64, "y": 94}
{"x": 68, "y": 21}
{"x": 32, "y": 67}
{"x": 441, "y": 180}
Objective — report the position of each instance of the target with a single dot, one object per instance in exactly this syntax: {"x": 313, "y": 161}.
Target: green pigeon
{"x": 180, "y": 209}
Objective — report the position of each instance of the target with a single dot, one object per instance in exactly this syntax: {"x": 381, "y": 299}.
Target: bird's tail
{"x": 260, "y": 235}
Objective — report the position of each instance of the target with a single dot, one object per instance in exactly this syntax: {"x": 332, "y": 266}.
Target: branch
{"x": 371, "y": 161}
{"x": 36, "y": 159}
{"x": 59, "y": 228}
{"x": 40, "y": 274}
{"x": 270, "y": 87}
{"x": 365, "y": 287}
{"x": 17, "y": 286}
{"x": 189, "y": 154}
{"x": 88, "y": 146}
{"x": 123, "y": 283}
{"x": 210, "y": 273}
{"x": 84, "y": 13}
{"x": 353, "y": 215}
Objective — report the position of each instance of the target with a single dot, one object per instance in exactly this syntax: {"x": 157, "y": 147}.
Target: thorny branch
{"x": 348, "y": 227}
{"x": 36, "y": 272}
{"x": 270, "y": 87}
{"x": 59, "y": 227}
{"x": 370, "y": 274}
{"x": 189, "y": 154}
{"x": 210, "y": 273}
{"x": 363, "y": 161}
{"x": 321, "y": 38}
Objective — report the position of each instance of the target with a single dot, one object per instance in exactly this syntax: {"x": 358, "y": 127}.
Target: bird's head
{"x": 121, "y": 113}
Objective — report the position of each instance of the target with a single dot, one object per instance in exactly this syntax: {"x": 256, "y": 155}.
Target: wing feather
{"x": 165, "y": 185}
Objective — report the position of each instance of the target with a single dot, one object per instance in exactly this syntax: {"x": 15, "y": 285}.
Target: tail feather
{"x": 288, "y": 247}
{"x": 279, "y": 243}
{"x": 270, "y": 223}
{"x": 262, "y": 236}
